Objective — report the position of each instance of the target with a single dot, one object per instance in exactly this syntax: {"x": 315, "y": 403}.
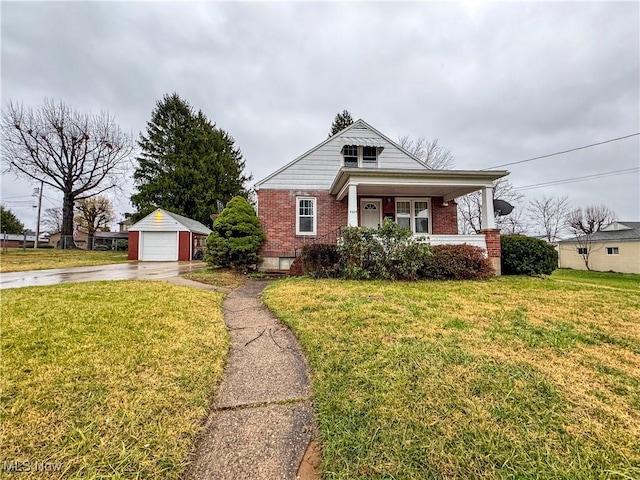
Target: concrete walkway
{"x": 262, "y": 420}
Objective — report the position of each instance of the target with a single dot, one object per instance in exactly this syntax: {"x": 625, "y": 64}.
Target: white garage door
{"x": 159, "y": 246}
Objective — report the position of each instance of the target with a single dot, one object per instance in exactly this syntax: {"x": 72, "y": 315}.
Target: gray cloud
{"x": 495, "y": 82}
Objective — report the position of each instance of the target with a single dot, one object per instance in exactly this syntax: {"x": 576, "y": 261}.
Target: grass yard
{"x": 17, "y": 260}
{"x": 108, "y": 380}
{"x": 510, "y": 378}
{"x": 604, "y": 279}
{"x": 219, "y": 277}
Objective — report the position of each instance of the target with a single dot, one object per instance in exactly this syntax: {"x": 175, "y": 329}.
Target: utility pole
{"x": 35, "y": 244}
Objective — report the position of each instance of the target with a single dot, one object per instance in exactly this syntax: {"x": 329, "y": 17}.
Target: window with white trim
{"x": 306, "y": 216}
{"x": 369, "y": 156}
{"x": 613, "y": 251}
{"x": 350, "y": 154}
{"x": 414, "y": 214}
{"x": 581, "y": 250}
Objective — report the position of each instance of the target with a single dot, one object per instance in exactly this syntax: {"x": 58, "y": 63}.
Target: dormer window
{"x": 350, "y": 153}
{"x": 369, "y": 156}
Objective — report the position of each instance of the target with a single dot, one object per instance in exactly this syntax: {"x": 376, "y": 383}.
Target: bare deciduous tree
{"x": 432, "y": 154}
{"x": 80, "y": 154}
{"x": 548, "y": 216}
{"x": 584, "y": 223}
{"x": 470, "y": 209}
{"x": 95, "y": 214}
{"x": 52, "y": 220}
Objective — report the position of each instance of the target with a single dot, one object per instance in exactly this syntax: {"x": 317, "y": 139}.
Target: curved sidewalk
{"x": 262, "y": 420}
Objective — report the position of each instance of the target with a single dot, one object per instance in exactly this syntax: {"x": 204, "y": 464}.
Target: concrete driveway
{"x": 120, "y": 271}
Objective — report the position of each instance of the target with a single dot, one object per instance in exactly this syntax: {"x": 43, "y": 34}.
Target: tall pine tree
{"x": 186, "y": 164}
{"x": 340, "y": 122}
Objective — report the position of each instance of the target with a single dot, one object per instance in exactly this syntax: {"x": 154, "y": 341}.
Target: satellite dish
{"x": 502, "y": 208}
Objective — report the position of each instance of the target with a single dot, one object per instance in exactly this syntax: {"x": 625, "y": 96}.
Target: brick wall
{"x": 492, "y": 237}
{"x": 445, "y": 218}
{"x": 277, "y": 214}
{"x": 132, "y": 253}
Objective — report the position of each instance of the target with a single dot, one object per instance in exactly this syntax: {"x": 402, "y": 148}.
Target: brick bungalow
{"x": 358, "y": 177}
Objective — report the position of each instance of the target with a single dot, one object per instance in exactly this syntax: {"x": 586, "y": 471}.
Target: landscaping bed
{"x": 18, "y": 260}
{"x": 107, "y": 379}
{"x": 510, "y": 378}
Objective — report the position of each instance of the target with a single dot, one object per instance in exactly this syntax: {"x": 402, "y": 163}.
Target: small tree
{"x": 9, "y": 223}
{"x": 52, "y": 220}
{"x": 584, "y": 223}
{"x": 95, "y": 214}
{"x": 547, "y": 216}
{"x": 470, "y": 209}
{"x": 340, "y": 122}
{"x": 236, "y": 238}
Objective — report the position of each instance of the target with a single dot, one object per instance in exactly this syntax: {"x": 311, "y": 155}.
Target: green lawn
{"x": 608, "y": 279}
{"x": 17, "y": 260}
{"x": 109, "y": 380}
{"x": 510, "y": 378}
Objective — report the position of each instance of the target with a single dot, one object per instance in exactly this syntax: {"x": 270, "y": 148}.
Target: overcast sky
{"x": 496, "y": 83}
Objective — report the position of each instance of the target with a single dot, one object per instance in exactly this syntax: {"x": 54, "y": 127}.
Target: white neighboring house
{"x": 615, "y": 248}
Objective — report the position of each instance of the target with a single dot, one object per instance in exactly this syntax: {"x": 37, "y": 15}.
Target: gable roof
{"x": 338, "y": 137}
{"x": 632, "y": 232}
{"x": 187, "y": 223}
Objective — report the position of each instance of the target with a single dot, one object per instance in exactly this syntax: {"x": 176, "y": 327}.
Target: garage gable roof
{"x": 161, "y": 220}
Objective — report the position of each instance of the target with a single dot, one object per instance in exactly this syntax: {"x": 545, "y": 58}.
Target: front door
{"x": 370, "y": 213}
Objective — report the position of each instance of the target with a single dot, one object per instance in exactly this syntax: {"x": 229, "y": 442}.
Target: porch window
{"x": 370, "y": 156}
{"x": 350, "y": 154}
{"x": 306, "y": 218}
{"x": 403, "y": 214}
{"x": 413, "y": 214}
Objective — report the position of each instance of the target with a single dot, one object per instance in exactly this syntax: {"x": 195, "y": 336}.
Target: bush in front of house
{"x": 456, "y": 262}
{"x": 527, "y": 256}
{"x": 320, "y": 259}
{"x": 387, "y": 253}
{"x": 236, "y": 237}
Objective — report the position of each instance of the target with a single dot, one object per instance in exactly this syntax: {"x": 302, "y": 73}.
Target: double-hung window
{"x": 306, "y": 216}
{"x": 350, "y": 153}
{"x": 370, "y": 156}
{"x": 413, "y": 214}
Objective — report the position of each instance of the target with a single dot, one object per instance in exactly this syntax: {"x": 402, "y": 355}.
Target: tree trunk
{"x": 67, "y": 222}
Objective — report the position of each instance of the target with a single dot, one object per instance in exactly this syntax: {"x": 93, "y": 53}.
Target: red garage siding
{"x": 134, "y": 238}
{"x": 184, "y": 246}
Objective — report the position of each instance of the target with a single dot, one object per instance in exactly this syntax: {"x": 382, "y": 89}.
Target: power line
{"x": 564, "y": 151}
{"x": 578, "y": 179}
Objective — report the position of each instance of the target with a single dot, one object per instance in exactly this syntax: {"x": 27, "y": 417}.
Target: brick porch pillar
{"x": 492, "y": 238}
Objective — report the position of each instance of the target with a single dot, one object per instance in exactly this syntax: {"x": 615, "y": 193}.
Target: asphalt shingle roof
{"x": 632, "y": 233}
{"x": 193, "y": 225}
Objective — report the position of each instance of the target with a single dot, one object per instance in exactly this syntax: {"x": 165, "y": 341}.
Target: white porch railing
{"x": 475, "y": 240}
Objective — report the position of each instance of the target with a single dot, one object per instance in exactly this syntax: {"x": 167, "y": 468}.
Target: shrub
{"x": 387, "y": 253}
{"x": 456, "y": 262}
{"x": 320, "y": 259}
{"x": 527, "y": 256}
{"x": 122, "y": 244}
{"x": 236, "y": 238}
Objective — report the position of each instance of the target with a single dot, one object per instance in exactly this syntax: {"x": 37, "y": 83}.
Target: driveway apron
{"x": 262, "y": 419}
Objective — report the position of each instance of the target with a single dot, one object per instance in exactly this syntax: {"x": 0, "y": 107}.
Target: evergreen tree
{"x": 340, "y": 122}
{"x": 186, "y": 163}
{"x": 236, "y": 238}
{"x": 9, "y": 223}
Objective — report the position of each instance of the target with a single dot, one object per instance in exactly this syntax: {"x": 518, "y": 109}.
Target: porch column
{"x": 352, "y": 217}
{"x": 488, "y": 217}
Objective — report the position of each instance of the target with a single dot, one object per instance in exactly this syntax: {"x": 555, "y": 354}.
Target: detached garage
{"x": 164, "y": 236}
